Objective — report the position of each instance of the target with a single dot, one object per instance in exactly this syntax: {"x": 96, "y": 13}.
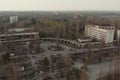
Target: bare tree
{"x": 83, "y": 74}
{"x": 100, "y": 55}
{"x": 68, "y": 66}
{"x": 77, "y": 29}
{"x": 37, "y": 39}
{"x": 58, "y": 35}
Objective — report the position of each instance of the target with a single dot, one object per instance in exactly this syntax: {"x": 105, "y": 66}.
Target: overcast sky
{"x": 44, "y": 5}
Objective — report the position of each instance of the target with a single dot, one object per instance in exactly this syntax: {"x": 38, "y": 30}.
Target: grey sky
{"x": 109, "y": 5}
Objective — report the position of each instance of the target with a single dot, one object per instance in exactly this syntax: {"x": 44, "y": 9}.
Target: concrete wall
{"x": 118, "y": 34}
{"x": 105, "y": 34}
{"x": 19, "y": 36}
{"x": 110, "y": 36}
{"x": 13, "y": 19}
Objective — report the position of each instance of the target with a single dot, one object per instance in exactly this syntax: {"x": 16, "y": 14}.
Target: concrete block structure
{"x": 19, "y": 34}
{"x": 105, "y": 33}
{"x": 19, "y": 30}
{"x": 118, "y": 34}
{"x": 13, "y": 19}
{"x": 19, "y": 37}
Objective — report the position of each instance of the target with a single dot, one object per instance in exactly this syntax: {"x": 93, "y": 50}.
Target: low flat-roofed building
{"x": 18, "y": 30}
{"x": 84, "y": 40}
{"x": 19, "y": 36}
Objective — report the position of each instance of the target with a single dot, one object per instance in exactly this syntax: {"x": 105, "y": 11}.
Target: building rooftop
{"x": 101, "y": 28}
{"x": 25, "y": 33}
{"x": 19, "y": 30}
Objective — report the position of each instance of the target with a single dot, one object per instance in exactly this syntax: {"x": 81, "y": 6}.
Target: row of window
{"x": 3, "y": 38}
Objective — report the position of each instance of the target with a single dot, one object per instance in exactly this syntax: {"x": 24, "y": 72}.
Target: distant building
{"x": 13, "y": 19}
{"x": 84, "y": 40}
{"x": 17, "y": 30}
{"x": 19, "y": 34}
{"x": 105, "y": 33}
{"x": 118, "y": 34}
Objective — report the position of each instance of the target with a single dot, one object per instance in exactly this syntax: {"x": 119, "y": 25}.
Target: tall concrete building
{"x": 118, "y": 34}
{"x": 13, "y": 19}
{"x": 105, "y": 33}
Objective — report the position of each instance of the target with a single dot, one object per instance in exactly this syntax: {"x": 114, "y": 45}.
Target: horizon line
{"x": 60, "y": 10}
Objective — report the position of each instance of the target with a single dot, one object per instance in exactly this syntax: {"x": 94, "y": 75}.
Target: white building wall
{"x": 13, "y": 19}
{"x": 110, "y": 36}
{"x": 101, "y": 34}
{"x": 118, "y": 34}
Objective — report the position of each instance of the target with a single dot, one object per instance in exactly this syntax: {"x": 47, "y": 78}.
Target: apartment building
{"x": 118, "y": 34}
{"x": 105, "y": 33}
{"x": 13, "y": 19}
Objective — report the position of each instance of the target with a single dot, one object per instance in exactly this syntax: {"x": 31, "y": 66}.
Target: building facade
{"x": 105, "y": 33}
{"x": 118, "y": 34}
{"x": 19, "y": 34}
{"x": 19, "y": 37}
{"x": 13, "y": 19}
